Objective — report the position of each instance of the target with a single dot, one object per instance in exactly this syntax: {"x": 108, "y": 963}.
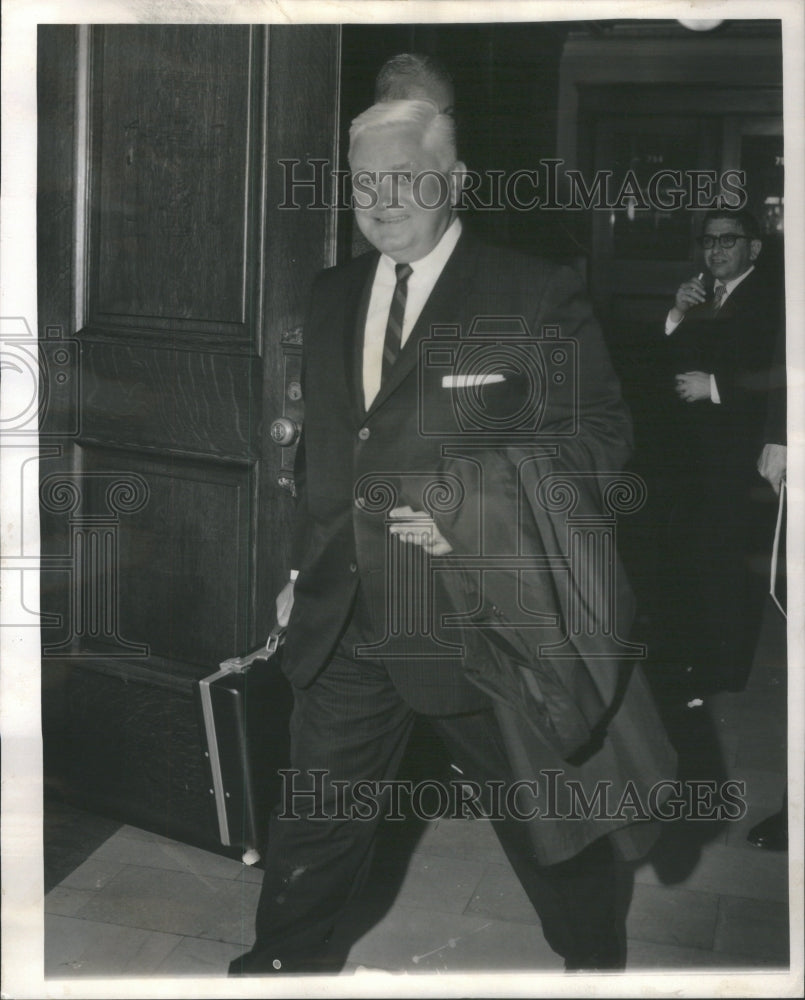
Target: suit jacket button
{"x": 363, "y": 433}
{"x": 353, "y": 567}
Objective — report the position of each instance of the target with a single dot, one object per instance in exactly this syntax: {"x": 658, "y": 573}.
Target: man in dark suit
{"x": 376, "y": 420}
{"x": 415, "y": 76}
{"x": 771, "y": 833}
{"x": 720, "y": 337}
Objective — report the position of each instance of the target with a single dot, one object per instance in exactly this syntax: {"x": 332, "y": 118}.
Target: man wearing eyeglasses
{"x": 720, "y": 336}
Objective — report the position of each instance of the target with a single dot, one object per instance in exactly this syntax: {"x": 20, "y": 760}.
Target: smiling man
{"x": 720, "y": 332}
{"x": 376, "y": 423}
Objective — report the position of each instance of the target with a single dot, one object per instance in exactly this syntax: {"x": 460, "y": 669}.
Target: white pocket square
{"x": 468, "y": 381}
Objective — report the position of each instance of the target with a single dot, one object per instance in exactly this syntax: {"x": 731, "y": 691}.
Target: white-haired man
{"x": 376, "y": 422}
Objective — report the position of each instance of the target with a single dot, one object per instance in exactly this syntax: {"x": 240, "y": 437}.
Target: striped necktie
{"x": 394, "y": 326}
{"x": 718, "y": 296}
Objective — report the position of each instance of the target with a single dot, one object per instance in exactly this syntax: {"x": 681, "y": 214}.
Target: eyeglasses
{"x": 726, "y": 240}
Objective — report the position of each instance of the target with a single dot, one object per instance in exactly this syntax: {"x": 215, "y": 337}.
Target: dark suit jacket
{"x": 719, "y": 443}
{"x": 345, "y": 450}
{"x": 413, "y": 436}
{"x": 775, "y": 431}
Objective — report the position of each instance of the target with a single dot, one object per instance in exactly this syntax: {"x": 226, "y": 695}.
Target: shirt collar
{"x": 431, "y": 263}
{"x": 734, "y": 282}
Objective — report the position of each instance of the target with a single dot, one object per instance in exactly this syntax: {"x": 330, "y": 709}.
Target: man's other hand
{"x": 420, "y": 528}
{"x": 772, "y": 464}
{"x": 690, "y": 293}
{"x": 284, "y": 604}
{"x": 693, "y": 386}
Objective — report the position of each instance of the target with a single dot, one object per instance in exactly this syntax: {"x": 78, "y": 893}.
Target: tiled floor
{"x": 140, "y": 904}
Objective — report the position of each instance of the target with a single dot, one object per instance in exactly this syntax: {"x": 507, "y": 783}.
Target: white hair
{"x": 437, "y": 130}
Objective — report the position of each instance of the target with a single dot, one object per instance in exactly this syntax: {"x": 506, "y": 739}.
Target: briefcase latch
{"x": 237, "y": 664}
{"x": 275, "y": 639}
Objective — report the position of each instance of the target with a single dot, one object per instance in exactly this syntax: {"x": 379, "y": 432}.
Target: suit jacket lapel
{"x": 443, "y": 306}
{"x": 735, "y": 302}
{"x": 354, "y": 322}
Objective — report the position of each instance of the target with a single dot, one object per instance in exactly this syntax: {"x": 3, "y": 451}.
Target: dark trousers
{"x": 352, "y": 723}
{"x": 719, "y": 545}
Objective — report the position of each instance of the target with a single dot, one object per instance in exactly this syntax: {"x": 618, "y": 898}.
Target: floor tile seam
{"x": 729, "y": 849}
{"x": 698, "y": 883}
{"x": 749, "y": 955}
{"x": 167, "y": 844}
{"x": 647, "y": 936}
{"x": 88, "y": 918}
{"x": 484, "y": 873}
{"x": 471, "y": 859}
{"x": 168, "y": 848}
{"x": 753, "y": 899}
{"x": 670, "y": 941}
{"x": 691, "y": 884}
{"x": 153, "y": 930}
{"x": 632, "y": 936}
{"x": 130, "y": 865}
{"x": 182, "y": 939}
{"x": 109, "y": 923}
{"x": 515, "y": 921}
{"x": 413, "y": 910}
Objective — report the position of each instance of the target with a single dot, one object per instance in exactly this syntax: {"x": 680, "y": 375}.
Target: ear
{"x": 755, "y": 247}
{"x": 457, "y": 175}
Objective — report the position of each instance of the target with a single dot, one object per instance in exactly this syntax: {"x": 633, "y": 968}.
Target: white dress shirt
{"x": 730, "y": 286}
{"x": 424, "y": 275}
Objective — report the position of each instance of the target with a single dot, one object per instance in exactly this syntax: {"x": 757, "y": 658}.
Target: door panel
{"x": 173, "y": 180}
{"x": 171, "y": 399}
{"x": 172, "y": 503}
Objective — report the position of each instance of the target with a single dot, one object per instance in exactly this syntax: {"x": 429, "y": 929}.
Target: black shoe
{"x": 771, "y": 833}
{"x": 609, "y": 957}
{"x": 595, "y": 963}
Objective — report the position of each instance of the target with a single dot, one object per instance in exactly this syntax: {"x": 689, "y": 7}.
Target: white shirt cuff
{"x": 670, "y": 325}
{"x": 714, "y": 396}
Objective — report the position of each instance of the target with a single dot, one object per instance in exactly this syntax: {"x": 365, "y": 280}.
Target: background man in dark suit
{"x": 414, "y": 76}
{"x": 720, "y": 337}
{"x": 375, "y": 422}
{"x": 771, "y": 833}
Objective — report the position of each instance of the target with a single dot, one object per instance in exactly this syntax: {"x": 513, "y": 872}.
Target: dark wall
{"x": 506, "y": 78}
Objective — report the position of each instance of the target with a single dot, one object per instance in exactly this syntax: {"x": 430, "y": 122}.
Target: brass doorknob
{"x": 284, "y": 431}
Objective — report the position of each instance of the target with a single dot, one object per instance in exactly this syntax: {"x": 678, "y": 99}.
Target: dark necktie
{"x": 394, "y": 326}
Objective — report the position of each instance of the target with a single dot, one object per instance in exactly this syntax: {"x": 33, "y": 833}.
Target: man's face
{"x": 402, "y": 198}
{"x": 728, "y": 263}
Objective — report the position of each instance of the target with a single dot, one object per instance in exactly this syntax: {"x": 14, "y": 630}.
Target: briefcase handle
{"x": 275, "y": 639}
{"x": 237, "y": 664}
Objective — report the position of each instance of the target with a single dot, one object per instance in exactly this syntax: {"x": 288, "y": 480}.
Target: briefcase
{"x": 245, "y": 708}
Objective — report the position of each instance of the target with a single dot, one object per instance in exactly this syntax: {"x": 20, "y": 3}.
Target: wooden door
{"x": 167, "y": 509}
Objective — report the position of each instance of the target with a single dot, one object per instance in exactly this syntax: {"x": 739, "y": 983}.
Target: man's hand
{"x": 693, "y": 386}
{"x": 284, "y": 604}
{"x": 423, "y": 532}
{"x": 690, "y": 293}
{"x": 772, "y": 464}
